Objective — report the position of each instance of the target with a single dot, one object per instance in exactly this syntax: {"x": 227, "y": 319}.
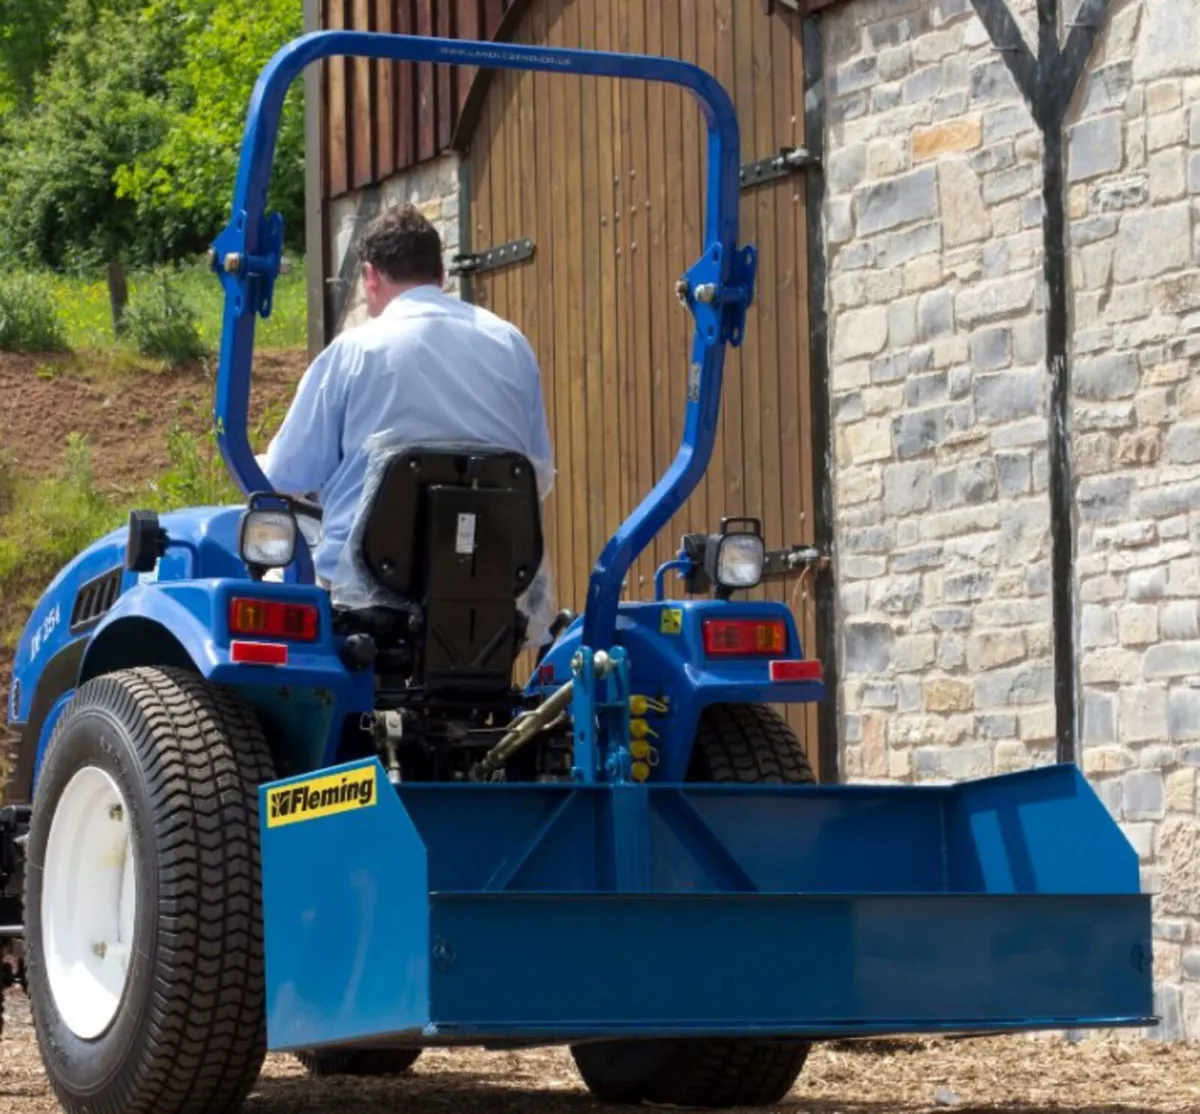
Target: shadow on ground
{"x": 492, "y": 1092}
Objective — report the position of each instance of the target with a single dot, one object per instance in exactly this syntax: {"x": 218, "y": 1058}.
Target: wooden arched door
{"x": 605, "y": 179}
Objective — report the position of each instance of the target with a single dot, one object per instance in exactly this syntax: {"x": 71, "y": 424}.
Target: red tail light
{"x": 295, "y": 622}
{"x": 799, "y": 669}
{"x": 744, "y": 637}
{"x": 258, "y": 653}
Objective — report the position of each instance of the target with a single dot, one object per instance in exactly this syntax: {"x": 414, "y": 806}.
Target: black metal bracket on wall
{"x": 492, "y": 259}
{"x": 783, "y": 164}
{"x": 1048, "y": 82}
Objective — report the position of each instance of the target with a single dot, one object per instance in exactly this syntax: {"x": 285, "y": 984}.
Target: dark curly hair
{"x": 403, "y": 246}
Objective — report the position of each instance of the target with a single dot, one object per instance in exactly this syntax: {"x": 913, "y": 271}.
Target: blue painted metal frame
{"x": 720, "y": 284}
{"x": 675, "y": 668}
{"x": 456, "y": 913}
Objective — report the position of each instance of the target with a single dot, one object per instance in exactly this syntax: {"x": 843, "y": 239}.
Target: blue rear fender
{"x": 668, "y": 662}
{"x": 186, "y": 624}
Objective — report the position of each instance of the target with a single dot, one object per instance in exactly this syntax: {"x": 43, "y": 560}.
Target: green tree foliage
{"x": 27, "y": 30}
{"x": 126, "y": 132}
{"x": 187, "y": 179}
{"x": 96, "y": 108}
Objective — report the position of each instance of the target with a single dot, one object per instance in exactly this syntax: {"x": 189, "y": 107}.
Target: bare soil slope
{"x": 125, "y": 417}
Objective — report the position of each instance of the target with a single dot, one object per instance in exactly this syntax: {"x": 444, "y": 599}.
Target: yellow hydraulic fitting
{"x": 640, "y": 705}
{"x": 640, "y": 771}
{"x": 640, "y": 750}
{"x": 639, "y": 729}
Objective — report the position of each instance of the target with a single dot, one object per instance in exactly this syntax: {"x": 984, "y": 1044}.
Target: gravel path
{"x": 1016, "y": 1075}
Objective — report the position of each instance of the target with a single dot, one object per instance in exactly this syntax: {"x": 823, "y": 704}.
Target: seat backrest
{"x": 459, "y": 534}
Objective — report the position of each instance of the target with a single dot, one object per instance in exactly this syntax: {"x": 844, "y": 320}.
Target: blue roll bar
{"x": 719, "y": 287}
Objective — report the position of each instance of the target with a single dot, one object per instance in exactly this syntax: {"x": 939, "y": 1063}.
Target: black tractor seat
{"x": 447, "y": 541}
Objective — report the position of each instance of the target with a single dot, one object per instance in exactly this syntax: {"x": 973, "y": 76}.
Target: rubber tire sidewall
{"x": 94, "y": 736}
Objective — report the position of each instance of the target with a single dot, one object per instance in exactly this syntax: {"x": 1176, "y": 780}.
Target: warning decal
{"x": 322, "y": 796}
{"x": 671, "y": 621}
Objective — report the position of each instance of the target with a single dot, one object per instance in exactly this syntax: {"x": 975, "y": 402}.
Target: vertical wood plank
{"x": 493, "y": 13}
{"x": 482, "y": 174}
{"x": 639, "y": 259}
{"x": 623, "y": 332}
{"x": 426, "y": 89}
{"x": 500, "y": 154}
{"x": 467, "y": 25}
{"x": 406, "y": 91}
{"x": 654, "y": 230}
{"x": 789, "y": 340}
{"x": 529, "y": 320}
{"x": 609, "y": 296}
{"x": 590, "y": 92}
{"x": 714, "y": 481}
{"x": 730, "y": 467}
{"x": 444, "y": 11}
{"x": 572, "y": 96}
{"x": 749, "y": 382}
{"x": 692, "y": 210}
{"x": 557, "y": 246}
{"x": 339, "y": 163}
{"x": 540, "y": 208}
{"x": 385, "y": 94}
{"x": 362, "y": 129}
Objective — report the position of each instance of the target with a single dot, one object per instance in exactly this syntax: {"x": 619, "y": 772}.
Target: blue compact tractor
{"x": 241, "y": 817}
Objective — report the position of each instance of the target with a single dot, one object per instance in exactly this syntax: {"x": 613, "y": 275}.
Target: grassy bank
{"x": 80, "y": 305}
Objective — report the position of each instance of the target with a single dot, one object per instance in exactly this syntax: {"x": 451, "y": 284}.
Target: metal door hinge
{"x": 502, "y": 255}
{"x": 784, "y": 163}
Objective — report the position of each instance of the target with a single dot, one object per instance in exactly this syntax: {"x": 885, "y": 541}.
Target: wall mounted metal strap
{"x": 502, "y": 255}
{"x": 784, "y": 163}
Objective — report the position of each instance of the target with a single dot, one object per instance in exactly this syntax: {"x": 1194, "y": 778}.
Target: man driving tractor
{"x": 426, "y": 367}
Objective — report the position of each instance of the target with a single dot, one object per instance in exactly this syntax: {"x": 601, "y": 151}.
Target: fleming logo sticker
{"x": 322, "y": 796}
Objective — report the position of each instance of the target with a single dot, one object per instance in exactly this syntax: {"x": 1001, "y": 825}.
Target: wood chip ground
{"x": 1014, "y": 1075}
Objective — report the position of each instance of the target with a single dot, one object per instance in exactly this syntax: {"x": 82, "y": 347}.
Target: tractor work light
{"x": 292, "y": 622}
{"x": 745, "y": 637}
{"x": 739, "y": 560}
{"x": 734, "y": 558}
{"x": 268, "y": 539}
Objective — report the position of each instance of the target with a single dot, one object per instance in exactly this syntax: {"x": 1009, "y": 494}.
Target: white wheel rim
{"x": 89, "y": 899}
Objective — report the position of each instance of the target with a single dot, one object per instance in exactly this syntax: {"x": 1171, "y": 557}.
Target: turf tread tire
{"x": 199, "y": 1046}
{"x": 754, "y": 745}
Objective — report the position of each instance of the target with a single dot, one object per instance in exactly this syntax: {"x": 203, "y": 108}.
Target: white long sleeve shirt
{"x": 429, "y": 368}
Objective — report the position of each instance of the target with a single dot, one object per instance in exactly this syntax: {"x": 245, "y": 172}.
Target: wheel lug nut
{"x": 116, "y": 812}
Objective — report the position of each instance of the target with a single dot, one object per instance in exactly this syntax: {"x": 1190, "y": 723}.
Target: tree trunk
{"x": 118, "y": 294}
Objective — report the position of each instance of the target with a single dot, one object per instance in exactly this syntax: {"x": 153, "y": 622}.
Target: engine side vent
{"x": 94, "y": 600}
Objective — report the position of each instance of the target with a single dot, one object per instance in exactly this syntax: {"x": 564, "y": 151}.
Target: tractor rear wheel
{"x": 747, "y": 743}
{"x": 143, "y": 898}
{"x": 359, "y": 1061}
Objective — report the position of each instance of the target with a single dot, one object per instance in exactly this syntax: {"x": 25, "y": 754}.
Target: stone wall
{"x": 433, "y": 186}
{"x": 1134, "y": 181}
{"x": 933, "y": 225}
{"x": 940, "y": 394}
